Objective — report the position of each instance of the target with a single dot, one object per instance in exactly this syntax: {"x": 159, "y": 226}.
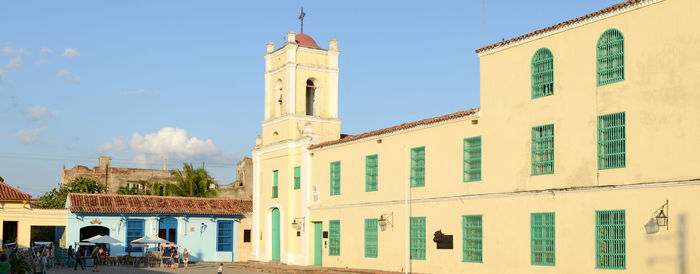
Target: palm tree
{"x": 191, "y": 182}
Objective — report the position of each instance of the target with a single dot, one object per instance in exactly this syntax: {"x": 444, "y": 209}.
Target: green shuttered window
{"x": 418, "y": 166}
{"x": 297, "y": 177}
{"x": 335, "y": 178}
{"x": 274, "y": 184}
{"x": 472, "y": 159}
{"x": 610, "y": 239}
{"x": 371, "y": 238}
{"x": 371, "y": 172}
{"x": 542, "y": 73}
{"x": 543, "y": 150}
{"x": 542, "y": 238}
{"x": 334, "y": 238}
{"x": 417, "y": 238}
{"x": 472, "y": 234}
{"x": 611, "y": 57}
{"x": 611, "y": 140}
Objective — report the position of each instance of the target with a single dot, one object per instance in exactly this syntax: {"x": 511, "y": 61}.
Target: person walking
{"x": 79, "y": 259}
{"x": 93, "y": 255}
{"x": 221, "y": 268}
{"x": 185, "y": 256}
{"x": 5, "y": 266}
{"x": 70, "y": 256}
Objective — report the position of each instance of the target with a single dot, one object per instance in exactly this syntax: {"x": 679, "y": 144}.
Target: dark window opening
{"x": 310, "y": 97}
{"x": 246, "y": 235}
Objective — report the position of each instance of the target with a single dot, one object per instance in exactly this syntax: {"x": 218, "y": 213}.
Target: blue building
{"x": 207, "y": 227}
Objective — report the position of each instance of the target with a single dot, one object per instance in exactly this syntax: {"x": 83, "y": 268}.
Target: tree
{"x": 1, "y": 179}
{"x": 191, "y": 182}
{"x": 56, "y": 198}
{"x": 130, "y": 190}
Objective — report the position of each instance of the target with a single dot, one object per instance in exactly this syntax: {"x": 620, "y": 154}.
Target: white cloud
{"x": 70, "y": 52}
{"x": 135, "y": 92}
{"x": 45, "y": 50}
{"x": 117, "y": 144}
{"x": 15, "y": 63}
{"x": 41, "y": 61}
{"x": 68, "y": 76}
{"x": 11, "y": 51}
{"x": 37, "y": 113}
{"x": 28, "y": 135}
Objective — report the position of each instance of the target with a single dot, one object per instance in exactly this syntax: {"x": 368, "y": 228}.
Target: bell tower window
{"x": 310, "y": 97}
{"x": 278, "y": 98}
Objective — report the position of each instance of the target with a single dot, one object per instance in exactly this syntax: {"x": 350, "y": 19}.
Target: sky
{"x": 142, "y": 80}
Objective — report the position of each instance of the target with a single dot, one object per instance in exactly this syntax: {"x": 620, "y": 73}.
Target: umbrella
{"x": 105, "y": 240}
{"x": 92, "y": 238}
{"x": 149, "y": 240}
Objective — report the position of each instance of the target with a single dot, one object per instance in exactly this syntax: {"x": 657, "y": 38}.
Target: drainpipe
{"x": 408, "y": 212}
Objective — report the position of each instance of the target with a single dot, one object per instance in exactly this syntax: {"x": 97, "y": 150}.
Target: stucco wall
{"x": 27, "y": 217}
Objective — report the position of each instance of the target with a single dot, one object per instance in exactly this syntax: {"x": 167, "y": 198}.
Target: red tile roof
{"x": 113, "y": 203}
{"x": 562, "y": 24}
{"x": 397, "y": 128}
{"x": 305, "y": 40}
{"x": 10, "y": 193}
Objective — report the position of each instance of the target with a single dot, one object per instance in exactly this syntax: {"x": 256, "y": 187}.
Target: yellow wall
{"x": 27, "y": 217}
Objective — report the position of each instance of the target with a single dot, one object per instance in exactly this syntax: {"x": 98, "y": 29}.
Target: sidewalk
{"x": 276, "y": 267}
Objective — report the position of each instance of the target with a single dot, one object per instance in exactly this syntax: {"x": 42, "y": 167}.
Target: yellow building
{"x": 581, "y": 159}
{"x": 23, "y": 225}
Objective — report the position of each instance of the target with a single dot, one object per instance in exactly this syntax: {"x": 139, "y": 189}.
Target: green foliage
{"x": 142, "y": 190}
{"x": 1, "y": 179}
{"x": 56, "y": 198}
{"x": 191, "y": 182}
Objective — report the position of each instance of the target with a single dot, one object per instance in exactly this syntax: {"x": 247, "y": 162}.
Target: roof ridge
{"x": 7, "y": 192}
{"x": 150, "y": 196}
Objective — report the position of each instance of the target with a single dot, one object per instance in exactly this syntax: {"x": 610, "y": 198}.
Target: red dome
{"x": 305, "y": 40}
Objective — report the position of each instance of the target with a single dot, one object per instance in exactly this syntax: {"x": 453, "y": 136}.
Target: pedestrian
{"x": 185, "y": 257}
{"x": 79, "y": 258}
{"x": 93, "y": 255}
{"x": 221, "y": 268}
{"x": 70, "y": 256}
{"x": 5, "y": 266}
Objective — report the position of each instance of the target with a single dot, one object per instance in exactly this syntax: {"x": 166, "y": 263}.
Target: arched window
{"x": 310, "y": 97}
{"x": 542, "y": 73}
{"x": 611, "y": 57}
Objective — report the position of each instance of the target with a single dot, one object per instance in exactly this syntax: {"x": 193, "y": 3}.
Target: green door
{"x": 275, "y": 234}
{"x": 318, "y": 243}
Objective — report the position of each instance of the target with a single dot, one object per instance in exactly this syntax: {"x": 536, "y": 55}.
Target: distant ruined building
{"x": 241, "y": 188}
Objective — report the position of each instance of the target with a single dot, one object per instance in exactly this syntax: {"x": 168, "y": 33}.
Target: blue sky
{"x": 139, "y": 80}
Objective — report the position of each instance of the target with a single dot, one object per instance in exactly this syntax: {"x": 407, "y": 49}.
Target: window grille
{"x": 542, "y": 73}
{"x": 543, "y": 150}
{"x": 473, "y": 241}
{"x": 418, "y": 166}
{"x": 335, "y": 178}
{"x": 610, "y": 239}
{"x": 274, "y": 184}
{"x": 611, "y": 140}
{"x": 334, "y": 238}
{"x": 224, "y": 235}
{"x": 611, "y": 57}
{"x": 297, "y": 177}
{"x": 417, "y": 238}
{"x": 542, "y": 238}
{"x": 371, "y": 172}
{"x": 472, "y": 159}
{"x": 134, "y": 230}
{"x": 371, "y": 238}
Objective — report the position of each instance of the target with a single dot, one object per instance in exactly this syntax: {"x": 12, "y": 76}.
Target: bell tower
{"x": 301, "y": 86}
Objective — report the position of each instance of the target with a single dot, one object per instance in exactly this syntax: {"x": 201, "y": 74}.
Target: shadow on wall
{"x": 681, "y": 255}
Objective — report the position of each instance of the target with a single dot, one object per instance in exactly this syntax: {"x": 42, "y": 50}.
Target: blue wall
{"x": 201, "y": 243}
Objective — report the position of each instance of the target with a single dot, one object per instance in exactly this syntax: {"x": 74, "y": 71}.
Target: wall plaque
{"x": 443, "y": 241}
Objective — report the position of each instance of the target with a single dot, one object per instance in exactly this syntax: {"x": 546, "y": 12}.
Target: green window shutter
{"x": 611, "y": 140}
{"x": 371, "y": 238}
{"x": 542, "y": 150}
{"x": 417, "y": 238}
{"x": 610, "y": 57}
{"x": 418, "y": 166}
{"x": 542, "y": 239}
{"x": 472, "y": 159}
{"x": 371, "y": 172}
{"x": 542, "y": 73}
{"x": 335, "y": 178}
{"x": 274, "y": 184}
{"x": 297, "y": 177}
{"x": 472, "y": 234}
{"x": 610, "y": 239}
{"x": 334, "y": 238}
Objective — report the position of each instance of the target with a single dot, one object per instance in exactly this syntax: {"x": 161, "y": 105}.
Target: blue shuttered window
{"x": 134, "y": 230}
{"x": 224, "y": 235}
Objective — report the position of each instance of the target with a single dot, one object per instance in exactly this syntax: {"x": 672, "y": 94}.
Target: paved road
{"x": 192, "y": 269}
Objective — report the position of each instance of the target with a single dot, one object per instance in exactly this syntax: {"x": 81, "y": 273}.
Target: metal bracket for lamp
{"x": 386, "y": 219}
{"x": 660, "y": 218}
{"x": 298, "y": 223}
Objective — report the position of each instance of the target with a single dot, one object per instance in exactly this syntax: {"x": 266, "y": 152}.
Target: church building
{"x": 581, "y": 158}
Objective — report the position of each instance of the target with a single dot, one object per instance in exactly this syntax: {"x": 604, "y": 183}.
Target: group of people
{"x": 95, "y": 252}
{"x": 170, "y": 256}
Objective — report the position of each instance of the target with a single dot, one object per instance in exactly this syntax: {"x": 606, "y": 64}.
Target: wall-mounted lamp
{"x": 659, "y": 218}
{"x": 202, "y": 227}
{"x": 379, "y": 141}
{"x": 298, "y": 223}
{"x": 386, "y": 219}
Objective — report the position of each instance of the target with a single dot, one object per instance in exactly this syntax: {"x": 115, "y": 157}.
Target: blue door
{"x": 167, "y": 229}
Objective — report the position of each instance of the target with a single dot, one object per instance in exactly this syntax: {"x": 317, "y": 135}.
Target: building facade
{"x": 580, "y": 159}
{"x": 116, "y": 177}
{"x": 207, "y": 227}
{"x": 22, "y": 224}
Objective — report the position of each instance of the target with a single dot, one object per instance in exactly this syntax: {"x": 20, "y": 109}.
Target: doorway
{"x": 93, "y": 230}
{"x": 167, "y": 230}
{"x": 275, "y": 234}
{"x": 9, "y": 232}
{"x": 318, "y": 243}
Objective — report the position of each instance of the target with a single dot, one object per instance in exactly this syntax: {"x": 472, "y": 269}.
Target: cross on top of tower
{"x": 301, "y": 17}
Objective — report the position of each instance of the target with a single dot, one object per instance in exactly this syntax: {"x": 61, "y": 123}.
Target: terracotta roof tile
{"x": 562, "y": 24}
{"x": 113, "y": 203}
{"x": 305, "y": 40}
{"x": 397, "y": 128}
{"x": 10, "y": 193}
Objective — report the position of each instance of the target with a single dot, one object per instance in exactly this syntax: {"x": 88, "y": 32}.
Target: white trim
{"x": 593, "y": 19}
{"x": 256, "y": 210}
{"x": 521, "y": 193}
{"x": 301, "y": 118}
{"x": 303, "y": 66}
{"x": 401, "y": 131}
